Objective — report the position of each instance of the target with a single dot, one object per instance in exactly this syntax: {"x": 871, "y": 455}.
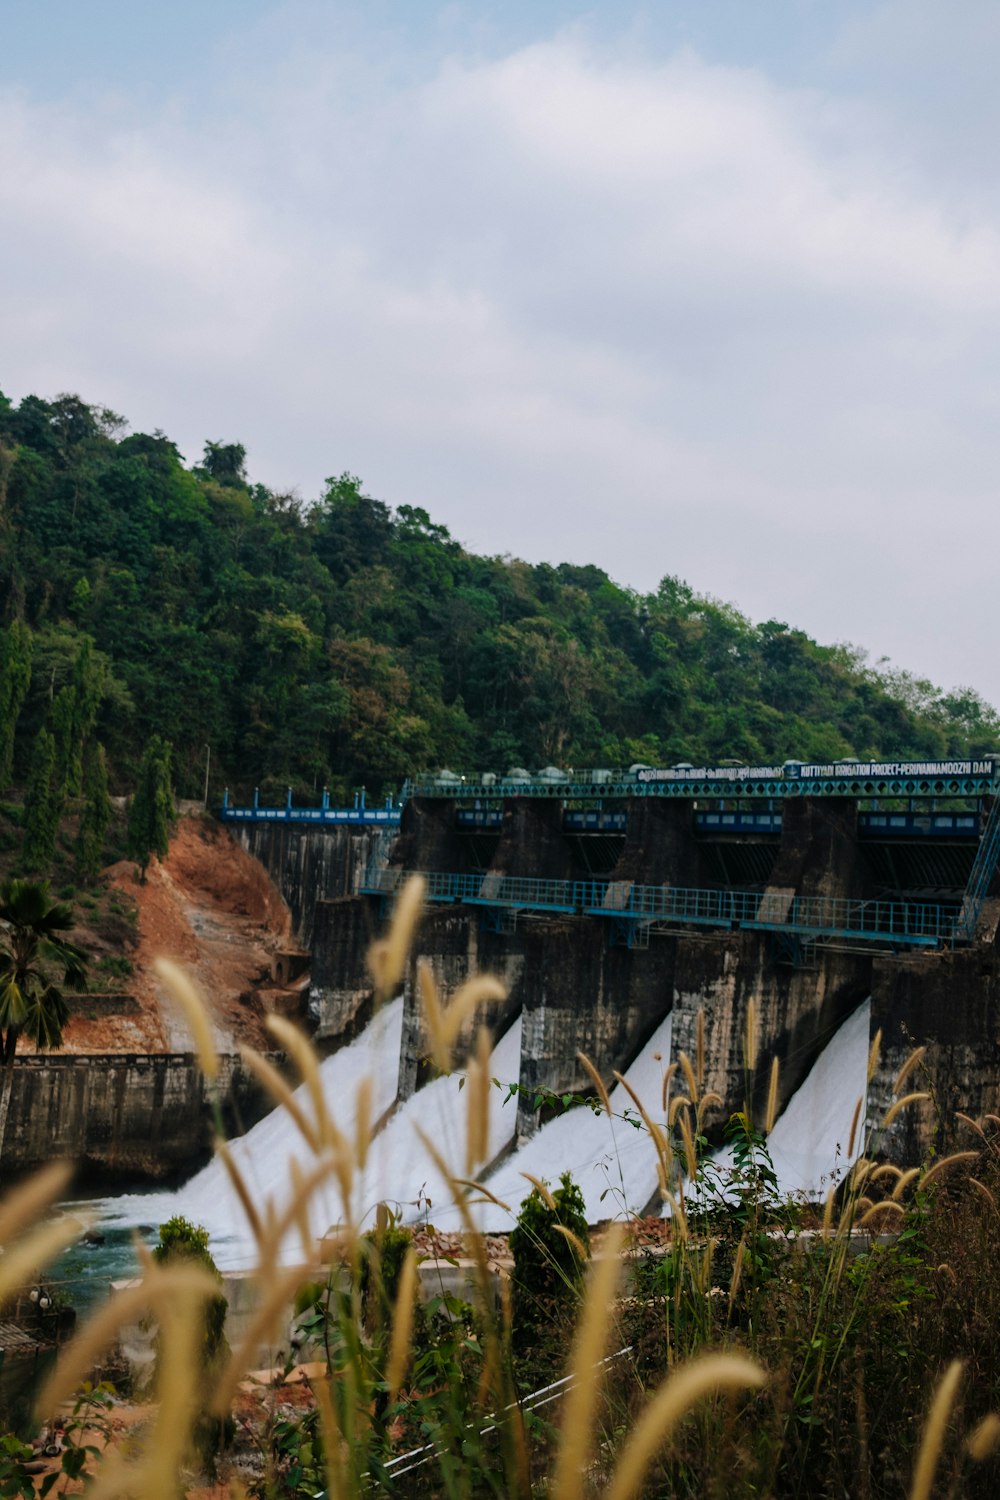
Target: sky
{"x": 703, "y": 288}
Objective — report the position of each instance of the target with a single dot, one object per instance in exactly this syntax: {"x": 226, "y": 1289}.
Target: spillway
{"x": 398, "y": 1170}
{"x": 612, "y": 1162}
{"x": 810, "y": 1139}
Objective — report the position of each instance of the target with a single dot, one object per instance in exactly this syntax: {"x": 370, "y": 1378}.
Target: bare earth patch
{"x": 209, "y": 906}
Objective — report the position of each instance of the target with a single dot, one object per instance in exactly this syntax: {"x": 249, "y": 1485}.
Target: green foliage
{"x": 42, "y": 807}
{"x": 95, "y": 816}
{"x": 15, "y": 677}
{"x": 343, "y": 643}
{"x": 548, "y": 1264}
{"x": 151, "y": 811}
{"x": 180, "y": 1240}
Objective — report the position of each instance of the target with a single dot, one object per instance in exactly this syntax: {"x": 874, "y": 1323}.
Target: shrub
{"x": 550, "y": 1246}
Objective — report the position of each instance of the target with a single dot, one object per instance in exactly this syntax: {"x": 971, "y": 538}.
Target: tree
{"x": 43, "y": 805}
{"x": 15, "y": 677}
{"x": 226, "y": 464}
{"x": 32, "y": 947}
{"x": 94, "y": 818}
{"x": 151, "y": 812}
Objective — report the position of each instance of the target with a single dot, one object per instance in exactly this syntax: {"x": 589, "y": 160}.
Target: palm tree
{"x": 31, "y": 948}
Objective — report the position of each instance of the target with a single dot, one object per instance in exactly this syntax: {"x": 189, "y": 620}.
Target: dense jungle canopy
{"x": 343, "y": 643}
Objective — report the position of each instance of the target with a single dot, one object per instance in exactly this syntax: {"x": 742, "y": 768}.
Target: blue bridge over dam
{"x": 607, "y": 900}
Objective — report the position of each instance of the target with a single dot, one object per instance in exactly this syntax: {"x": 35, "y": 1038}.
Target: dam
{"x": 609, "y": 901}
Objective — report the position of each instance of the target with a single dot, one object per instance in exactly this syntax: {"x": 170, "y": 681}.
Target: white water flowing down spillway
{"x": 810, "y": 1140}
{"x": 398, "y": 1171}
{"x": 809, "y": 1143}
{"x": 612, "y": 1162}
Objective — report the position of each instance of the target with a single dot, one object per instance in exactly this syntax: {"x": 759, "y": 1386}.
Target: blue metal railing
{"x": 360, "y": 815}
{"x": 357, "y": 817}
{"x": 911, "y": 923}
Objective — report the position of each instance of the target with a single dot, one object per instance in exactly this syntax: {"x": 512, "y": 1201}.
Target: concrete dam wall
{"x": 118, "y": 1115}
{"x": 578, "y": 987}
{"x": 309, "y": 864}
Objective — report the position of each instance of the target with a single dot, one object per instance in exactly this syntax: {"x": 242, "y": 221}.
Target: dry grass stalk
{"x": 772, "y": 1097}
{"x": 905, "y": 1178}
{"x": 932, "y": 1437}
{"x": 881, "y": 1210}
{"x": 984, "y": 1437}
{"x": 402, "y": 1324}
{"x": 20, "y": 1261}
{"x": 156, "y": 1289}
{"x": 542, "y": 1189}
{"x": 579, "y": 1250}
{"x": 303, "y": 1054}
{"x": 241, "y": 1190}
{"x": 680, "y": 1391}
{"x": 363, "y": 1117}
{"x": 855, "y": 1120}
{"x": 177, "y": 1395}
{"x": 270, "y": 1079}
{"x": 596, "y": 1080}
{"x": 982, "y": 1189}
{"x": 874, "y": 1053}
{"x": 915, "y": 1058}
{"x": 689, "y": 1076}
{"x": 337, "y": 1482}
{"x": 261, "y": 1329}
{"x": 182, "y": 989}
{"x": 945, "y": 1165}
{"x": 588, "y": 1348}
{"x": 901, "y": 1104}
{"x": 478, "y": 1085}
{"x": 687, "y": 1139}
{"x": 668, "y": 1078}
{"x": 387, "y": 958}
{"x": 29, "y": 1200}
{"x": 750, "y": 1038}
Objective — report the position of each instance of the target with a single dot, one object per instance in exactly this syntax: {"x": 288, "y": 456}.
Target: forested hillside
{"x": 340, "y": 642}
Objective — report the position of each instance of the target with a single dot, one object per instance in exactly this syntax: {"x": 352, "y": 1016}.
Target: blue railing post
{"x": 325, "y": 804}
{"x": 225, "y": 799}
{"x": 256, "y": 796}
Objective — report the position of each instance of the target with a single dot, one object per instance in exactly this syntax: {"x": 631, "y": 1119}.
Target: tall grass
{"x": 759, "y": 1351}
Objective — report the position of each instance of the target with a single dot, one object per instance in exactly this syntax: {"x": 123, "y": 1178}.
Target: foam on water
{"x": 613, "y": 1163}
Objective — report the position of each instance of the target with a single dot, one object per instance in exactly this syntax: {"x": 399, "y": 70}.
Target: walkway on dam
{"x": 635, "y": 909}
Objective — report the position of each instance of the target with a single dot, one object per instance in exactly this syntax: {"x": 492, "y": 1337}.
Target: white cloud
{"x": 662, "y": 315}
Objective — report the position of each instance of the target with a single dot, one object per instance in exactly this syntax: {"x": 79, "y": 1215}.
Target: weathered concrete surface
{"x": 949, "y": 1003}
{"x": 819, "y": 853}
{"x": 340, "y": 992}
{"x": 581, "y": 995}
{"x": 797, "y": 1011}
{"x": 532, "y": 844}
{"x": 429, "y": 838}
{"x": 454, "y": 947}
{"x": 660, "y": 846}
{"x": 309, "y": 864}
{"x": 121, "y": 1115}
